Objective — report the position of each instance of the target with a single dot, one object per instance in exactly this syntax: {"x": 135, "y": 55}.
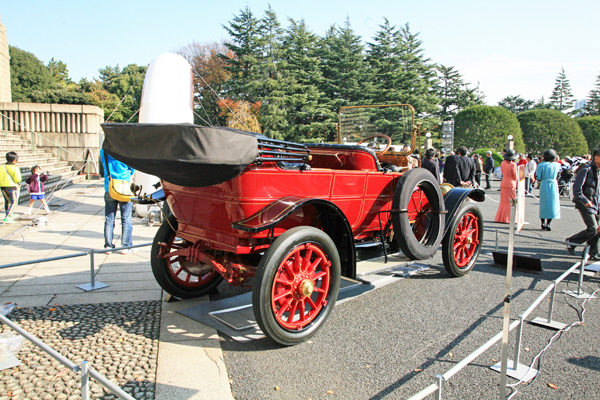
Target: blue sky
{"x": 508, "y": 47}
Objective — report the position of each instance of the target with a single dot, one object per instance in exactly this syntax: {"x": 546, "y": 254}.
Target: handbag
{"x": 118, "y": 189}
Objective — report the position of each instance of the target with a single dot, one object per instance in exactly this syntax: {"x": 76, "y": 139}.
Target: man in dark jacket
{"x": 431, "y": 165}
{"x": 488, "y": 169}
{"x": 466, "y": 167}
{"x": 451, "y": 173}
{"x": 587, "y": 201}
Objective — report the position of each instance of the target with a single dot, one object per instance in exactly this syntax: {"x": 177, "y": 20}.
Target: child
{"x": 35, "y": 183}
{"x": 10, "y": 178}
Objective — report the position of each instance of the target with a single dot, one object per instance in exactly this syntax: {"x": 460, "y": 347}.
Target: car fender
{"x": 335, "y": 224}
{"x": 454, "y": 199}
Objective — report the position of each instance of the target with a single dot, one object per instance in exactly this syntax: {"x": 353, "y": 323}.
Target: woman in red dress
{"x": 508, "y": 186}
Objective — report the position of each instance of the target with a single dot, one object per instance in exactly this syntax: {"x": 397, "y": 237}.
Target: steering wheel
{"x": 375, "y": 145}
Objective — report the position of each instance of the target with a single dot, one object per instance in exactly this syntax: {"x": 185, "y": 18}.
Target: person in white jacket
{"x": 530, "y": 168}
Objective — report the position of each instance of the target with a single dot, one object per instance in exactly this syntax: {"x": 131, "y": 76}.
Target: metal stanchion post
{"x": 438, "y": 393}
{"x": 93, "y": 285}
{"x": 497, "y": 234}
{"x": 507, "y": 298}
{"x": 580, "y": 294}
{"x": 85, "y": 381}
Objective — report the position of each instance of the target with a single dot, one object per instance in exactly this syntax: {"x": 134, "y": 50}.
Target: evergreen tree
{"x": 562, "y": 97}
{"x": 419, "y": 74}
{"x": 270, "y": 86}
{"x": 453, "y": 92}
{"x": 27, "y": 73}
{"x": 383, "y": 57}
{"x": 59, "y": 72}
{"x": 307, "y": 110}
{"x": 516, "y": 104}
{"x": 346, "y": 77}
{"x": 592, "y": 106}
{"x": 243, "y": 63}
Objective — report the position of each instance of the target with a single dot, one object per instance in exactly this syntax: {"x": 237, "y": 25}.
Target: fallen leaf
{"x": 450, "y": 354}
{"x": 52, "y": 309}
{"x": 494, "y": 360}
{"x": 277, "y": 388}
{"x": 367, "y": 366}
{"x": 417, "y": 370}
{"x": 527, "y": 349}
{"x": 553, "y": 386}
{"x": 330, "y": 392}
{"x": 9, "y": 393}
{"x": 61, "y": 373}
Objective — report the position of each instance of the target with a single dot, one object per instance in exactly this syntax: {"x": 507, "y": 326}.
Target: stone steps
{"x": 60, "y": 172}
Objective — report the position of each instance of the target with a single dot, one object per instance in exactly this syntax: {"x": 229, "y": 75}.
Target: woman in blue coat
{"x": 546, "y": 173}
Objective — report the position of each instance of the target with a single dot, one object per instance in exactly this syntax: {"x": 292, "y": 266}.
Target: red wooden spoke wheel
{"x": 419, "y": 213}
{"x": 296, "y": 285}
{"x": 462, "y": 242}
{"x": 176, "y": 274}
{"x": 301, "y": 286}
{"x": 466, "y": 239}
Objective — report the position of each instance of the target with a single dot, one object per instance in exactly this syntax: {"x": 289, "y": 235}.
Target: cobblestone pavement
{"x": 119, "y": 340}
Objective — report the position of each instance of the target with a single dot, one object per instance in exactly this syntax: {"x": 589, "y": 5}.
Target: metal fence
{"x": 84, "y": 369}
{"x": 517, "y": 371}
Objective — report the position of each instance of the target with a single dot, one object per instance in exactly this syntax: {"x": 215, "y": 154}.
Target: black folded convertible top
{"x": 182, "y": 154}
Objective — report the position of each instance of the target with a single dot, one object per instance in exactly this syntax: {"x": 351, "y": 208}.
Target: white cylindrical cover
{"x": 167, "y": 97}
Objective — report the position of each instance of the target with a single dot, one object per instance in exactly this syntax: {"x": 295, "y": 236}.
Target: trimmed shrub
{"x": 591, "y": 130}
{"x": 546, "y": 129}
{"x": 487, "y": 126}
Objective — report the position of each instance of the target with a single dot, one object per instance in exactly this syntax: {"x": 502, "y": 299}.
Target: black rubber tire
{"x": 268, "y": 269}
{"x": 448, "y": 242}
{"x": 166, "y": 234}
{"x": 425, "y": 247}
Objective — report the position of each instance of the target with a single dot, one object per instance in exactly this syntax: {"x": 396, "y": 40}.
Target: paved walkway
{"x": 190, "y": 362}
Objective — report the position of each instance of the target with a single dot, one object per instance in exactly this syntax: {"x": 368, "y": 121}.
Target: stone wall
{"x": 5, "y": 91}
{"x": 65, "y": 130}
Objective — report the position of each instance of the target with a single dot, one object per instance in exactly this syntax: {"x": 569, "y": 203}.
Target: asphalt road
{"x": 390, "y": 343}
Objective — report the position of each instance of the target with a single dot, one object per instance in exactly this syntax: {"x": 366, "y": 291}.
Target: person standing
{"x": 116, "y": 170}
{"x": 488, "y": 169}
{"x": 35, "y": 184}
{"x": 478, "y": 169}
{"x": 430, "y": 164}
{"x": 587, "y": 201}
{"x": 10, "y": 178}
{"x": 466, "y": 167}
{"x": 530, "y": 168}
{"x": 547, "y": 173}
{"x": 508, "y": 186}
{"x": 451, "y": 173}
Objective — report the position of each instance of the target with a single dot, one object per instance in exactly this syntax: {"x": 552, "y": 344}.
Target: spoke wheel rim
{"x": 466, "y": 240}
{"x": 177, "y": 270}
{"x": 419, "y": 213}
{"x": 301, "y": 287}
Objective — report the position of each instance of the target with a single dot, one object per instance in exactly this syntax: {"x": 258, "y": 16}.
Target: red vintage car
{"x": 291, "y": 215}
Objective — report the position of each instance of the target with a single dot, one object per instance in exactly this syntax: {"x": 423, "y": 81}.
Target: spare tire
{"x": 418, "y": 214}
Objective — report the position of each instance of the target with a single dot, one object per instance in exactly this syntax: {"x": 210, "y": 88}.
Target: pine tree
{"x": 307, "y": 109}
{"x": 516, "y": 104}
{"x": 269, "y": 87}
{"x": 243, "y": 63}
{"x": 383, "y": 57}
{"x": 592, "y": 106}
{"x": 454, "y": 94}
{"x": 562, "y": 97}
{"x": 419, "y": 74}
{"x": 346, "y": 77}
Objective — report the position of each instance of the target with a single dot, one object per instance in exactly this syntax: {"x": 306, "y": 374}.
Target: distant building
{"x": 5, "y": 92}
{"x": 580, "y": 104}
